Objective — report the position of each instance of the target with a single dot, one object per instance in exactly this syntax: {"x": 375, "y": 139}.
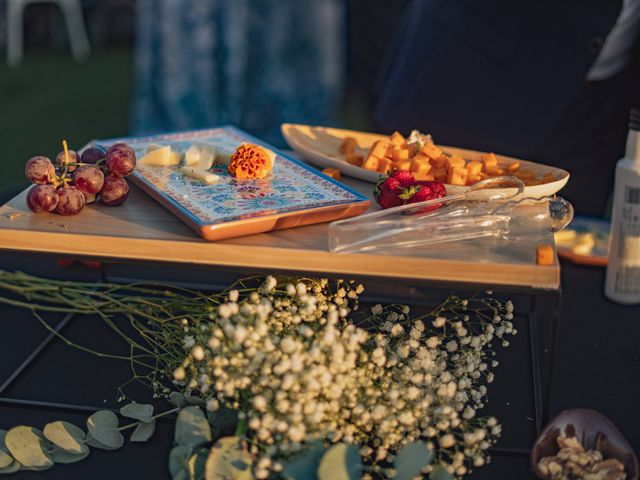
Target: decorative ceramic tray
{"x": 319, "y": 145}
{"x": 294, "y": 194}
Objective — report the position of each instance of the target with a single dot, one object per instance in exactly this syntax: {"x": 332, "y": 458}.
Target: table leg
{"x": 34, "y": 354}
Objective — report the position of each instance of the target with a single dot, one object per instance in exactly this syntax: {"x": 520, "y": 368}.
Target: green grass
{"x": 49, "y": 97}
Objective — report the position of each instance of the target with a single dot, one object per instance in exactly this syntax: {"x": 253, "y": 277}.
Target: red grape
{"x": 42, "y": 198}
{"x": 40, "y": 170}
{"x": 70, "y": 201}
{"x": 121, "y": 160}
{"x": 73, "y": 158}
{"x": 93, "y": 154}
{"x": 114, "y": 191}
{"x": 89, "y": 198}
{"x": 88, "y": 179}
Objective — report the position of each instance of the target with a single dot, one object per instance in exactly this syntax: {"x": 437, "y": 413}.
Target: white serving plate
{"x": 319, "y": 145}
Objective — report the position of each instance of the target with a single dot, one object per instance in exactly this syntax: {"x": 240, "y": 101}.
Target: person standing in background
{"x": 546, "y": 81}
{"x": 251, "y": 63}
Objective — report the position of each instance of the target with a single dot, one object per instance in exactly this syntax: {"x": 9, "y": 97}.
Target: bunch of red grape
{"x": 66, "y": 187}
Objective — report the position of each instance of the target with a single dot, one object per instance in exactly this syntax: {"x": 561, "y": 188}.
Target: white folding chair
{"x": 72, "y": 12}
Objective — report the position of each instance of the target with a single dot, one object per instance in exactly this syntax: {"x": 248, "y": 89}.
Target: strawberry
{"x": 428, "y": 190}
{"x": 406, "y": 179}
{"x": 389, "y": 199}
{"x": 422, "y": 194}
{"x": 438, "y": 188}
{"x": 401, "y": 188}
{"x": 389, "y": 184}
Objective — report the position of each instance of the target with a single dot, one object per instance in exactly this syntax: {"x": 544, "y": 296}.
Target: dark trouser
{"x": 590, "y": 138}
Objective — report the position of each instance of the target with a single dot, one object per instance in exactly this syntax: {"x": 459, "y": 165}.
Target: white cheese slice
{"x": 192, "y": 156}
{"x": 199, "y": 174}
{"x": 207, "y": 155}
{"x": 161, "y": 157}
{"x": 223, "y": 157}
{"x": 200, "y": 155}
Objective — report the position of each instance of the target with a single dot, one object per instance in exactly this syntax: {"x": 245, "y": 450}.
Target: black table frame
{"x": 543, "y": 313}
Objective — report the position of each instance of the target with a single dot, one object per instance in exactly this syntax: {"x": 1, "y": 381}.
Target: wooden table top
{"x": 142, "y": 230}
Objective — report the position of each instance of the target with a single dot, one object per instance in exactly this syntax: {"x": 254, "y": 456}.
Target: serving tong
{"x": 501, "y": 213}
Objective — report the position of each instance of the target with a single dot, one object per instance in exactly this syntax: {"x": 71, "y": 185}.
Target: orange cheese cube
{"x": 494, "y": 170}
{"x": 404, "y": 164}
{"x": 513, "y": 167}
{"x": 473, "y": 178}
{"x": 489, "y": 159}
{"x": 333, "y": 173}
{"x": 474, "y": 167}
{"x": 348, "y": 145}
{"x": 455, "y": 161}
{"x": 399, "y": 154}
{"x": 396, "y": 138}
{"x": 545, "y": 255}
{"x": 424, "y": 176}
{"x": 457, "y": 176}
{"x": 354, "y": 159}
{"x": 421, "y": 157}
{"x": 440, "y": 174}
{"x": 431, "y": 151}
{"x": 420, "y": 166}
{"x": 379, "y": 149}
{"x": 371, "y": 162}
{"x": 385, "y": 166}
{"x": 441, "y": 161}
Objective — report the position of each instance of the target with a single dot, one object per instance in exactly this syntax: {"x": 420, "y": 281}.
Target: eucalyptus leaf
{"x": 143, "y": 431}
{"x": 5, "y": 459}
{"x": 182, "y": 475}
{"x": 192, "y": 428}
{"x": 138, "y": 411}
{"x": 13, "y": 467}
{"x": 304, "y": 464}
{"x": 178, "y": 399}
{"x": 440, "y": 473}
{"x": 224, "y": 421}
{"x": 178, "y": 460}
{"x": 28, "y": 447}
{"x": 64, "y": 456}
{"x": 412, "y": 458}
{"x": 197, "y": 463}
{"x": 92, "y": 442}
{"x": 228, "y": 459}
{"x": 5, "y": 456}
{"x": 66, "y": 436}
{"x": 341, "y": 462}
{"x": 103, "y": 427}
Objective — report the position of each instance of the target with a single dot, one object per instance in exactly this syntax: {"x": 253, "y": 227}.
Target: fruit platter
{"x": 367, "y": 156}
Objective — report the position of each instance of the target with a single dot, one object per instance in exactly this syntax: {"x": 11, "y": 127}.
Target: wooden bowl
{"x": 593, "y": 430}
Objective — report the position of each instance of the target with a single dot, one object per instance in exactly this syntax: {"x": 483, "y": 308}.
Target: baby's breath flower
{"x": 439, "y": 322}
{"x": 213, "y": 404}
{"x": 197, "y": 352}
{"x": 447, "y": 441}
{"x": 179, "y": 374}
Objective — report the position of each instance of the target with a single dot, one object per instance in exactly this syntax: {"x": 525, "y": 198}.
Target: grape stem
{"x": 80, "y": 164}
